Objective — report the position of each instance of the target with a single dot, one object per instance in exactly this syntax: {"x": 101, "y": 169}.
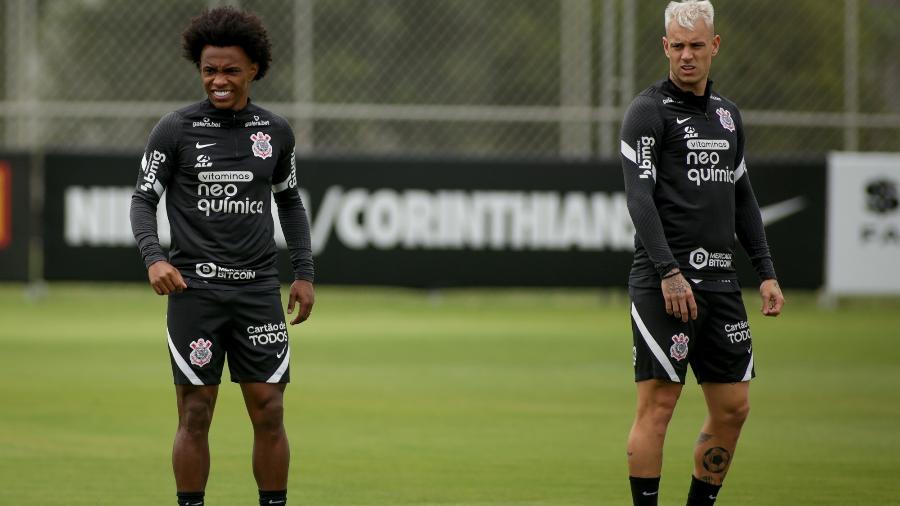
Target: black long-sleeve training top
{"x": 688, "y": 189}
{"x": 219, "y": 170}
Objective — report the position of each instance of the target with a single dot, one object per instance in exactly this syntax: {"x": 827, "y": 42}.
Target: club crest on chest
{"x": 262, "y": 148}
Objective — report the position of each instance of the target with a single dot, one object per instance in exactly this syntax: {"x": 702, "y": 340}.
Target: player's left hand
{"x": 772, "y": 298}
{"x": 301, "y": 292}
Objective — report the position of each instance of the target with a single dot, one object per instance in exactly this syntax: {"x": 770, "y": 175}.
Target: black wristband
{"x": 671, "y": 274}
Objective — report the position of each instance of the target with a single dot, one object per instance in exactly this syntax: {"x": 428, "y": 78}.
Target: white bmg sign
{"x": 863, "y": 246}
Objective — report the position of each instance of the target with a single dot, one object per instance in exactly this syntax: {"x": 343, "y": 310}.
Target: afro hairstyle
{"x": 227, "y": 26}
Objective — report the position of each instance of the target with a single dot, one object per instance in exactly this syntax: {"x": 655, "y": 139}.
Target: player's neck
{"x": 698, "y": 89}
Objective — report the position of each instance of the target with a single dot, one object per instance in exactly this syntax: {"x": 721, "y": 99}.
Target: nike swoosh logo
{"x": 680, "y": 120}
{"x": 201, "y": 146}
{"x": 279, "y": 356}
{"x": 712, "y": 497}
{"x": 275, "y": 502}
{"x": 650, "y": 493}
{"x": 776, "y": 212}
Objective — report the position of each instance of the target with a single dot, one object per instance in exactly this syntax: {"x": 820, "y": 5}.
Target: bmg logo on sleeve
{"x": 645, "y": 157}
{"x": 150, "y": 167}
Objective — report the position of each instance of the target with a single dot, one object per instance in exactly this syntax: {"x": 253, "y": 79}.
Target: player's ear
{"x": 254, "y": 68}
{"x": 665, "y": 42}
{"x": 715, "y": 45}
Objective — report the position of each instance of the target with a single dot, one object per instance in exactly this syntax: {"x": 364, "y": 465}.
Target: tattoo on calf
{"x": 708, "y": 479}
{"x": 704, "y": 437}
{"x": 716, "y": 460}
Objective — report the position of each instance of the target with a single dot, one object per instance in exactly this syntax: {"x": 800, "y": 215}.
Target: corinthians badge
{"x": 725, "y": 118}
{"x": 261, "y": 146}
{"x": 202, "y": 352}
{"x": 679, "y": 350}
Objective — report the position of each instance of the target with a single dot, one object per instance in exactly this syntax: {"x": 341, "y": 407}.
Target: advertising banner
{"x": 791, "y": 195}
{"x": 863, "y": 224}
{"x": 427, "y": 223}
{"x": 15, "y": 216}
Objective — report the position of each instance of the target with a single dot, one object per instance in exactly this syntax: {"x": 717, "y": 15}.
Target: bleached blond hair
{"x": 687, "y": 13}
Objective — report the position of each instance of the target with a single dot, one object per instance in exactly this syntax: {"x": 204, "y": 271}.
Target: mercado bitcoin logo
{"x": 5, "y": 205}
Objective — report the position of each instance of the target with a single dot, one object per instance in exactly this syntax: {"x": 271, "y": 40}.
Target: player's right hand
{"x": 679, "y": 298}
{"x": 165, "y": 279}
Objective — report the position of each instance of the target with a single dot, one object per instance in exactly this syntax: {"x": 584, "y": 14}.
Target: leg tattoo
{"x": 716, "y": 460}
{"x": 704, "y": 437}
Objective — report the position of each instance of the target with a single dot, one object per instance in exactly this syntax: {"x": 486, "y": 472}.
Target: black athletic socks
{"x": 190, "y": 498}
{"x": 702, "y": 493}
{"x": 644, "y": 491}
{"x": 272, "y": 497}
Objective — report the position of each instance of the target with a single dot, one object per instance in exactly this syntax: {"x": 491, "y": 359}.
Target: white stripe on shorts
{"x": 654, "y": 346}
{"x": 179, "y": 361}
{"x": 275, "y": 378}
{"x": 749, "y": 374}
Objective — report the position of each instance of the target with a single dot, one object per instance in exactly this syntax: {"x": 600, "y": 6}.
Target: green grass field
{"x": 475, "y": 398}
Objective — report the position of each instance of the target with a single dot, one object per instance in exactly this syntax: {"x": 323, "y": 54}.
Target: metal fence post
{"x": 608, "y": 80}
{"x": 575, "y": 76}
{"x": 629, "y": 31}
{"x": 851, "y": 75}
{"x": 304, "y": 82}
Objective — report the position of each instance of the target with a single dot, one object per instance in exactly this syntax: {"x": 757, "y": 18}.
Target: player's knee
{"x": 733, "y": 415}
{"x": 196, "y": 418}
{"x": 740, "y": 414}
{"x": 267, "y": 418}
{"x": 663, "y": 410}
{"x": 658, "y": 410}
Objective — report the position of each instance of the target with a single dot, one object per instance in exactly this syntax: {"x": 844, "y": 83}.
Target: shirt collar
{"x": 688, "y": 97}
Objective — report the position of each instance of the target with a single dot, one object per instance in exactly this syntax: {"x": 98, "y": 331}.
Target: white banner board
{"x": 863, "y": 246}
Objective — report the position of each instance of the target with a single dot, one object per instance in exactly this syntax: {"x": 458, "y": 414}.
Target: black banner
{"x": 791, "y": 195}
{"x": 15, "y": 217}
{"x": 452, "y": 223}
{"x": 436, "y": 223}
{"x": 87, "y": 232}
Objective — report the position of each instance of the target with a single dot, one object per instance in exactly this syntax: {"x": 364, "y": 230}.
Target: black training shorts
{"x": 206, "y": 326}
{"x": 717, "y": 344}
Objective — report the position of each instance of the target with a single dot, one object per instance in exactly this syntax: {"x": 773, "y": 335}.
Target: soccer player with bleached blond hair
{"x": 689, "y": 195}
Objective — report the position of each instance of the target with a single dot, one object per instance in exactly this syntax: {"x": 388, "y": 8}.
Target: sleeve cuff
{"x": 304, "y": 276}
{"x": 663, "y": 269}
{"x": 765, "y": 269}
{"x": 152, "y": 259}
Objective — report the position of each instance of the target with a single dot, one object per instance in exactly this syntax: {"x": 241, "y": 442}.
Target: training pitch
{"x": 469, "y": 398}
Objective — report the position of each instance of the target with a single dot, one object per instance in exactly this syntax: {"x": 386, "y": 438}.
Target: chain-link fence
{"x": 475, "y": 78}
